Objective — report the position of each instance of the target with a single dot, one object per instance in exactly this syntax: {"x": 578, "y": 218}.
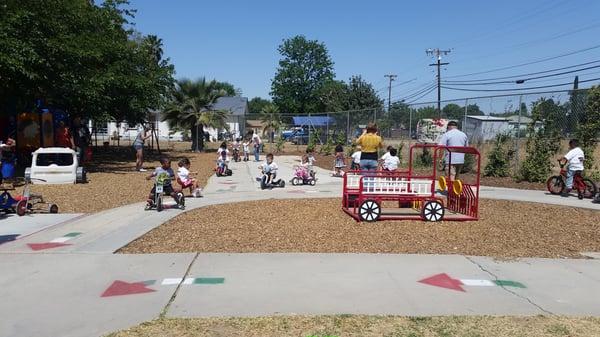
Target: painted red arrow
{"x": 118, "y": 288}
{"x": 443, "y": 281}
{"x": 46, "y": 245}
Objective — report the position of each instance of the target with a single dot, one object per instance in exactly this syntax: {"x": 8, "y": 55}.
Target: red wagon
{"x": 420, "y": 192}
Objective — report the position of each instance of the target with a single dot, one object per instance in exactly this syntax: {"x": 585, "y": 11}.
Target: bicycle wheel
{"x": 590, "y": 189}
{"x": 555, "y": 185}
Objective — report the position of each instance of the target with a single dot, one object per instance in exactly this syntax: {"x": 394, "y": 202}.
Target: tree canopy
{"x": 304, "y": 68}
{"x": 257, "y": 104}
{"x": 81, "y": 57}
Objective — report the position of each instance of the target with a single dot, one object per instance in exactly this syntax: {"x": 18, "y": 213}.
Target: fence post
{"x": 518, "y": 134}
{"x": 348, "y": 127}
{"x": 327, "y": 128}
{"x": 464, "y": 127}
{"x": 410, "y": 110}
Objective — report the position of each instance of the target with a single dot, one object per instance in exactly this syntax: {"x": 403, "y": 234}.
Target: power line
{"x": 523, "y": 75}
{"x": 519, "y": 89}
{"x": 519, "y": 81}
{"x": 432, "y": 86}
{"x": 423, "y": 95}
{"x": 528, "y": 63}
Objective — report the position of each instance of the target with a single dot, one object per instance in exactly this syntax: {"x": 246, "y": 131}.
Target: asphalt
{"x": 58, "y": 291}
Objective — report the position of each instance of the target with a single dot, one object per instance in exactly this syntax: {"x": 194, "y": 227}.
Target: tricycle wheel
{"x": 555, "y": 185}
{"x": 369, "y": 211}
{"x": 296, "y": 181}
{"x": 53, "y": 208}
{"x": 312, "y": 182}
{"x": 281, "y": 183}
{"x": 21, "y": 207}
{"x": 159, "y": 204}
{"x": 432, "y": 211}
{"x": 590, "y": 189}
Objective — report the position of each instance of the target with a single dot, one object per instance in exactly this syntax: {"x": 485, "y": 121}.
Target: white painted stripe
{"x": 189, "y": 280}
{"x": 62, "y": 239}
{"x": 171, "y": 281}
{"x": 477, "y": 283}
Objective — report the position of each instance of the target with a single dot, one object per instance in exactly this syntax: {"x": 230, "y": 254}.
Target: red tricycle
{"x": 557, "y": 184}
{"x": 412, "y": 194}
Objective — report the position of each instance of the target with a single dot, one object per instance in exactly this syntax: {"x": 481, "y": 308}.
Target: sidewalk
{"x": 58, "y": 291}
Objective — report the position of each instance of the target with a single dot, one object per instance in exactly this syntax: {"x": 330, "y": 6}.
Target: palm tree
{"x": 191, "y": 108}
{"x": 271, "y": 120}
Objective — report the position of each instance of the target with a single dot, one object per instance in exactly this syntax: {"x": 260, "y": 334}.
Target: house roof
{"x": 486, "y": 118}
{"x": 237, "y": 105}
{"x": 515, "y": 119}
{"x": 313, "y": 120}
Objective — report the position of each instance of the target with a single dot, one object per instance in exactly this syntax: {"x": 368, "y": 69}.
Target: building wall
{"x": 481, "y": 130}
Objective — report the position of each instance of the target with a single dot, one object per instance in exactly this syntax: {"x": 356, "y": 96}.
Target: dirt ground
{"x": 369, "y": 326}
{"x": 113, "y": 182}
{"x": 506, "y": 230}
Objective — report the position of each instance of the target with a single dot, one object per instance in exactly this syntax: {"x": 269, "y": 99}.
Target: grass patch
{"x": 369, "y": 326}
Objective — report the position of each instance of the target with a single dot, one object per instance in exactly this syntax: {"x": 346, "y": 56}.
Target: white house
{"x": 483, "y": 128}
{"x": 236, "y": 105}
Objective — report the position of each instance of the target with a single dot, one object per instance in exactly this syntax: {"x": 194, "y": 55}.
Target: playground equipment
{"x": 585, "y": 188}
{"x": 55, "y": 165}
{"x": 412, "y": 194}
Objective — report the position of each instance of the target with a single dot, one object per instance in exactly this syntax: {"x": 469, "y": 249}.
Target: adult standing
{"x": 82, "y": 138}
{"x": 138, "y": 146}
{"x": 370, "y": 143}
{"x": 8, "y": 159}
{"x": 63, "y": 137}
{"x": 256, "y": 142}
{"x": 454, "y": 137}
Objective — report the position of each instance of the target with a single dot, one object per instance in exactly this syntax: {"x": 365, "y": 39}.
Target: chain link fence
{"x": 483, "y": 119}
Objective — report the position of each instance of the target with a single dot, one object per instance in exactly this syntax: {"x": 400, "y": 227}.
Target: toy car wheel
{"x": 159, "y": 204}
{"x": 181, "y": 200}
{"x": 81, "y": 175}
{"x": 555, "y": 185}
{"x": 281, "y": 183}
{"x": 27, "y": 174}
{"x": 432, "y": 211}
{"x": 369, "y": 211}
{"x": 312, "y": 182}
{"x": 21, "y": 208}
{"x": 296, "y": 181}
{"x": 53, "y": 208}
{"x": 590, "y": 189}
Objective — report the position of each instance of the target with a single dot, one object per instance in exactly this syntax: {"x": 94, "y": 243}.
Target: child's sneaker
{"x": 197, "y": 193}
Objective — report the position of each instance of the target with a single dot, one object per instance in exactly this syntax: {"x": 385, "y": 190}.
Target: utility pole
{"x": 391, "y": 78}
{"x": 438, "y": 54}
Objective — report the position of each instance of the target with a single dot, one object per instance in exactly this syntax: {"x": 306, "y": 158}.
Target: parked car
{"x": 300, "y": 137}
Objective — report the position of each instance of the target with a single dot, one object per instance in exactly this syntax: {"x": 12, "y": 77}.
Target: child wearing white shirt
{"x": 184, "y": 179}
{"x": 575, "y": 158}
{"x": 391, "y": 162}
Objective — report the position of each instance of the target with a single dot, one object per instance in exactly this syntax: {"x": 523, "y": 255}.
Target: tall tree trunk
{"x": 194, "y": 136}
{"x": 201, "y": 137}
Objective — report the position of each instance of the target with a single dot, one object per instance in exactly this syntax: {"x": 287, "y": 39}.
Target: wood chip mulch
{"x": 506, "y": 230}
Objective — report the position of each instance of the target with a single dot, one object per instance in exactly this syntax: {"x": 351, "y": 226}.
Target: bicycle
{"x": 585, "y": 187}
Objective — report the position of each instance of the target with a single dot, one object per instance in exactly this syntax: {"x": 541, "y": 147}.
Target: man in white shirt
{"x": 454, "y": 137}
{"x": 575, "y": 159}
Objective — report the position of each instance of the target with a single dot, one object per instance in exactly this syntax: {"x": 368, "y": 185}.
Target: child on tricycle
{"x": 303, "y": 173}
{"x": 222, "y": 168}
{"x": 269, "y": 174}
{"x": 163, "y": 175}
{"x": 185, "y": 180}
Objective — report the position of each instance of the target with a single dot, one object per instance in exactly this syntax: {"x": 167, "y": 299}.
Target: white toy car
{"x": 55, "y": 165}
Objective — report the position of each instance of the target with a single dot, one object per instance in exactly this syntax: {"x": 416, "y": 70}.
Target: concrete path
{"x": 57, "y": 290}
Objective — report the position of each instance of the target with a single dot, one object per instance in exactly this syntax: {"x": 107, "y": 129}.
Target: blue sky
{"x": 236, "y": 41}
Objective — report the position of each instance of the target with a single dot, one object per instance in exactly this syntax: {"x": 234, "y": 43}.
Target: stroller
{"x": 303, "y": 176}
{"x": 267, "y": 180}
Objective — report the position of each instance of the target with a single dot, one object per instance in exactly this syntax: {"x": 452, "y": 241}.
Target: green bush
{"x": 327, "y": 148}
{"x": 499, "y": 159}
{"x": 280, "y": 144}
{"x": 538, "y": 164}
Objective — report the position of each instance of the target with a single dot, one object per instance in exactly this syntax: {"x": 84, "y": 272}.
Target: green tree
{"x": 303, "y": 70}
{"x": 453, "y": 111}
{"x": 79, "y": 56}
{"x": 257, "y": 104}
{"x": 588, "y": 128}
{"x": 228, "y": 88}
{"x": 191, "y": 108}
{"x": 271, "y": 120}
{"x": 542, "y": 143}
